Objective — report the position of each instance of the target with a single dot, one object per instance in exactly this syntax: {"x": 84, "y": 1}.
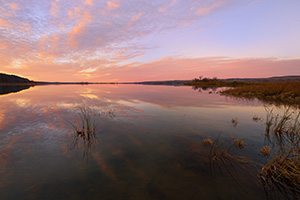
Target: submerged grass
{"x": 221, "y": 160}
{"x": 221, "y": 149}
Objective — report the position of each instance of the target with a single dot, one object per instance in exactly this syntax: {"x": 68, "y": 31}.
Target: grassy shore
{"x": 217, "y": 83}
{"x": 281, "y": 92}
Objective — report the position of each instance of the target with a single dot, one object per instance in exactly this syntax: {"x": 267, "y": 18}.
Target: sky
{"x": 139, "y": 40}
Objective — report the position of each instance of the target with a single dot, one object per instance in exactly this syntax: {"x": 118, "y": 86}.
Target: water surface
{"x": 149, "y": 143}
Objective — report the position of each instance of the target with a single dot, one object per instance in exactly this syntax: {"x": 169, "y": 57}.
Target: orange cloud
{"x": 70, "y": 14}
{"x": 14, "y": 6}
{"x": 113, "y": 4}
{"x": 5, "y": 23}
{"x": 77, "y": 30}
{"x": 89, "y": 70}
{"x": 3, "y": 45}
{"x": 54, "y": 9}
{"x": 89, "y": 2}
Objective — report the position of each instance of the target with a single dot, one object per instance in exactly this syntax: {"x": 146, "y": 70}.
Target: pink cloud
{"x": 205, "y": 10}
{"x": 134, "y": 19}
{"x": 169, "y": 68}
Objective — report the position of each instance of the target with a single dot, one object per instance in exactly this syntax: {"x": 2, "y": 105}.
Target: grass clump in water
{"x": 240, "y": 144}
{"x": 266, "y": 150}
{"x": 234, "y": 122}
{"x": 85, "y": 132}
{"x": 87, "y": 129}
{"x": 256, "y": 118}
{"x": 207, "y": 141}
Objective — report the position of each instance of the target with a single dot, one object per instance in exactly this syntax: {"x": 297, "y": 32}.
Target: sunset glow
{"x": 118, "y": 40}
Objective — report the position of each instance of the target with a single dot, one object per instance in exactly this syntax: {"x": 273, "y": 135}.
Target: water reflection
{"x": 207, "y": 88}
{"x": 151, "y": 150}
{"x": 6, "y": 89}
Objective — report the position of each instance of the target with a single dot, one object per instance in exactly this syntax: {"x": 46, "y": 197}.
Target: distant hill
{"x": 13, "y": 79}
{"x": 169, "y": 82}
{"x": 183, "y": 82}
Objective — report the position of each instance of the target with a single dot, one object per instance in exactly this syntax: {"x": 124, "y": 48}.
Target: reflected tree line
{"x": 7, "y": 89}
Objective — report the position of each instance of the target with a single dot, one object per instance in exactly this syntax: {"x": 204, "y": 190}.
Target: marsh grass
{"x": 273, "y": 92}
{"x": 282, "y": 129}
{"x": 282, "y": 173}
{"x": 213, "y": 83}
{"x": 279, "y": 175}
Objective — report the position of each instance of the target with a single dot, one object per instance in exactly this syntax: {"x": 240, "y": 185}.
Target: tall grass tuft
{"x": 85, "y": 131}
{"x": 283, "y": 129}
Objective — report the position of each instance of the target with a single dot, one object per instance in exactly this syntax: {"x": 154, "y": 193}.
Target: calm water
{"x": 149, "y": 143}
